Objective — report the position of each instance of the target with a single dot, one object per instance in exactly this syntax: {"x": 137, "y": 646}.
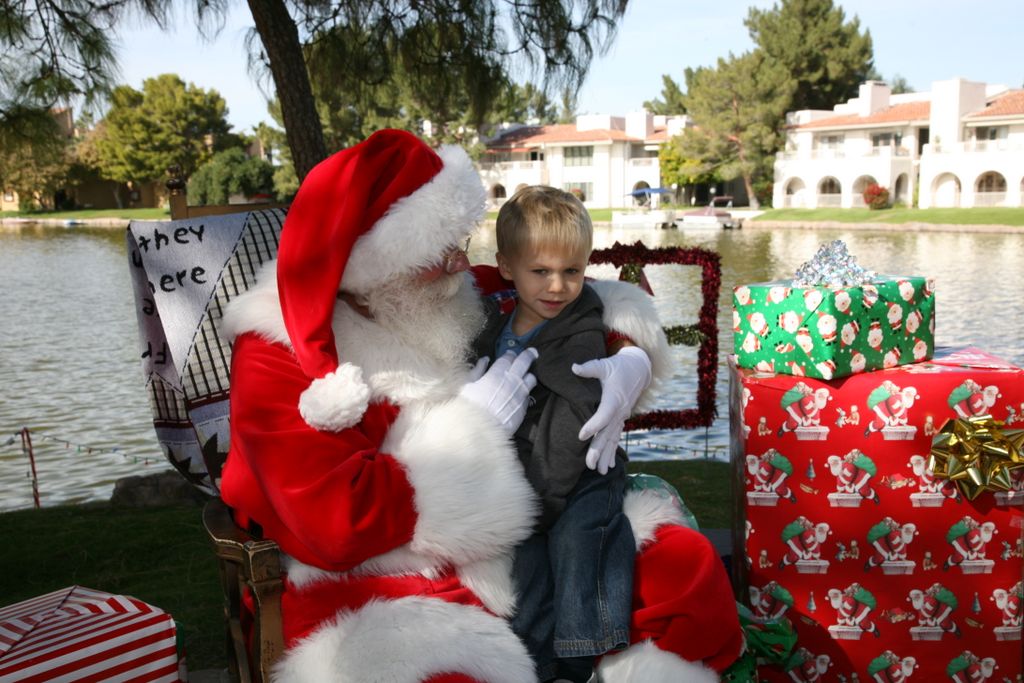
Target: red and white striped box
{"x": 80, "y": 634}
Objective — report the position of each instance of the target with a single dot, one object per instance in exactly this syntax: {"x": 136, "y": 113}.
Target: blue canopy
{"x": 649, "y": 190}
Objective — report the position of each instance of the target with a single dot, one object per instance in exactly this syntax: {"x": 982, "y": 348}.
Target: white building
{"x": 601, "y": 156}
{"x": 960, "y": 145}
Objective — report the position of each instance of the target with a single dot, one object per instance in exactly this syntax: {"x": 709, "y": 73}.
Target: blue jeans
{"x": 575, "y": 582}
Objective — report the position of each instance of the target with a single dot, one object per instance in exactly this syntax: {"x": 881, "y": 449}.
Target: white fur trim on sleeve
{"x": 646, "y": 662}
{"x": 335, "y": 401}
{"x": 647, "y": 511}
{"x": 630, "y": 310}
{"x": 491, "y": 581}
{"x": 257, "y": 310}
{"x": 407, "y": 641}
{"x": 472, "y": 499}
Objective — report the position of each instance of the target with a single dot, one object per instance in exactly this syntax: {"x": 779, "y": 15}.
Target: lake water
{"x": 69, "y": 367}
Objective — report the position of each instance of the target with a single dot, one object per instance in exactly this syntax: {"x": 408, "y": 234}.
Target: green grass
{"x": 161, "y": 555}
{"x": 83, "y": 214}
{"x": 158, "y": 555}
{"x": 979, "y": 216}
{"x": 704, "y": 485}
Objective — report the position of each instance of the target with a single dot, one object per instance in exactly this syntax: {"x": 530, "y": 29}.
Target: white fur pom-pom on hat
{"x": 335, "y": 401}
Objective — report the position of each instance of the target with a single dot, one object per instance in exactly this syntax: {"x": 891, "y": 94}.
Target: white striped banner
{"x": 80, "y": 634}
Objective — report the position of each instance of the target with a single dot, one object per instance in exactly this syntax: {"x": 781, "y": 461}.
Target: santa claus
{"x": 367, "y": 448}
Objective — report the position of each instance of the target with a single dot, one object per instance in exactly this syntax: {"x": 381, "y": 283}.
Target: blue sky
{"x": 921, "y": 40}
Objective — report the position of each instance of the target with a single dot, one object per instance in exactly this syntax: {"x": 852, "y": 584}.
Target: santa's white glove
{"x": 623, "y": 378}
{"x": 504, "y": 389}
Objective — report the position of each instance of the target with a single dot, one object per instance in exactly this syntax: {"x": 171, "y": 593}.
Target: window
{"x": 992, "y": 182}
{"x": 8, "y": 195}
{"x": 990, "y": 133}
{"x": 579, "y": 156}
{"x": 640, "y": 151}
{"x": 886, "y": 139}
{"x": 830, "y": 186}
{"x": 829, "y": 141}
{"x": 536, "y": 156}
{"x": 583, "y": 191}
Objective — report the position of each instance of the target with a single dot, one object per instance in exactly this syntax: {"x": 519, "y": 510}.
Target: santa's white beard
{"x": 440, "y": 319}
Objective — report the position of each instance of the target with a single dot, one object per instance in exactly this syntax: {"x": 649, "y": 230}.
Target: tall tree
{"x": 468, "y": 45}
{"x": 680, "y": 171}
{"x": 827, "y": 55}
{"x": 34, "y": 161}
{"x": 349, "y": 116}
{"x": 524, "y": 103}
{"x": 53, "y": 50}
{"x": 167, "y": 123}
{"x": 737, "y": 108}
{"x": 672, "y": 99}
{"x": 473, "y": 46}
{"x": 899, "y": 85}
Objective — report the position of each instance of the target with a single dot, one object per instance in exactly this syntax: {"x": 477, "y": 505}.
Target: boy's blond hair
{"x": 538, "y": 217}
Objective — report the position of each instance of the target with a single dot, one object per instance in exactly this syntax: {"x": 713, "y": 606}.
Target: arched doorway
{"x": 641, "y": 198}
{"x": 498, "y": 191}
{"x": 796, "y": 194}
{"x": 900, "y": 191}
{"x": 859, "y": 185}
{"x": 946, "y": 191}
{"x": 830, "y": 192}
{"x": 990, "y": 189}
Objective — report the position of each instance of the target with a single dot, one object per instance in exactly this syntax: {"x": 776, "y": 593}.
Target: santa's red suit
{"x": 397, "y": 500}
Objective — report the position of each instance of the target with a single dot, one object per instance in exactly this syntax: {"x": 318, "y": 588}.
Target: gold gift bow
{"x": 978, "y": 454}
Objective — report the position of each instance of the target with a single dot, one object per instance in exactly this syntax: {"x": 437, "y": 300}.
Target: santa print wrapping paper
{"x": 828, "y": 332}
{"x": 887, "y": 573}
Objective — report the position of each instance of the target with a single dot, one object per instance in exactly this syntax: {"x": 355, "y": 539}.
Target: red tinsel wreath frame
{"x": 710, "y": 262}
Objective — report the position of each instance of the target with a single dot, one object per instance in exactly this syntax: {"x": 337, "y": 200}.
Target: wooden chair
{"x": 253, "y": 565}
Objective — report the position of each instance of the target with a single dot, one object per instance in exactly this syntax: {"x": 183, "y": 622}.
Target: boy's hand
{"x": 623, "y": 378}
{"x": 504, "y": 389}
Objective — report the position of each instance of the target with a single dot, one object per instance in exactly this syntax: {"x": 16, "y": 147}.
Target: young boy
{"x": 574, "y": 576}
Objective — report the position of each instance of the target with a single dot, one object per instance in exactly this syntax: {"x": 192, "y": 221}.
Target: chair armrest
{"x": 253, "y": 564}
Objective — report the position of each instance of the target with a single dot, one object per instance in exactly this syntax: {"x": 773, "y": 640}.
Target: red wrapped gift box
{"x": 885, "y": 571}
{"x": 79, "y": 634}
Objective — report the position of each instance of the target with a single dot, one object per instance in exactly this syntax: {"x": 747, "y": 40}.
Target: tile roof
{"x": 660, "y": 134}
{"x": 908, "y": 111}
{"x": 531, "y": 136}
{"x": 1010, "y": 104}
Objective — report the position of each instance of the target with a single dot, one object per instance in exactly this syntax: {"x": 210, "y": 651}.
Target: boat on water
{"x": 644, "y": 219}
{"x": 711, "y": 216}
{"x": 644, "y": 215}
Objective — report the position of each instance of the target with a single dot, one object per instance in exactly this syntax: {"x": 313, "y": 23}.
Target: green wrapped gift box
{"x": 827, "y": 332}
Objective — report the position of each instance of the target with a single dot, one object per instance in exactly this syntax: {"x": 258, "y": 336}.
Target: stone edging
{"x": 66, "y": 222}
{"x": 890, "y": 227}
{"x": 748, "y": 224}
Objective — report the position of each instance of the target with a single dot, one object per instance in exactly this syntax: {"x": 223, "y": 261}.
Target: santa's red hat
{"x": 384, "y": 208}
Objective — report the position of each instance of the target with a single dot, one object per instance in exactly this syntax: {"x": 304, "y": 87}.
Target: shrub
{"x": 763, "y": 192}
{"x": 876, "y": 196}
{"x": 230, "y": 172}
